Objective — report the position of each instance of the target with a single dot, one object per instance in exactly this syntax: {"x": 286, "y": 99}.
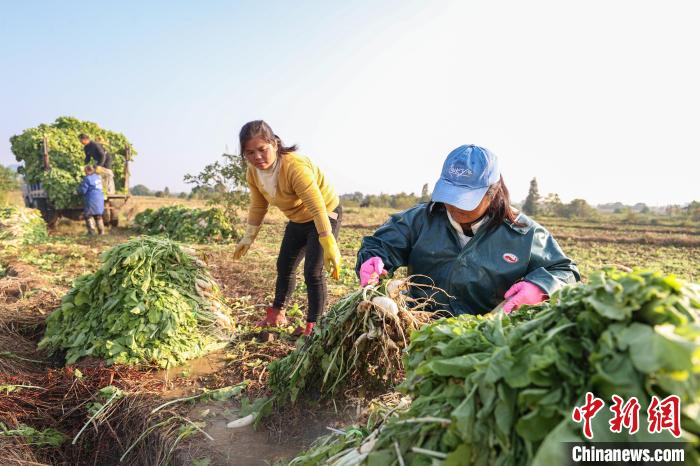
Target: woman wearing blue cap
{"x": 469, "y": 242}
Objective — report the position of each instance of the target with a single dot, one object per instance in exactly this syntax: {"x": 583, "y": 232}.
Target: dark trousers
{"x": 301, "y": 242}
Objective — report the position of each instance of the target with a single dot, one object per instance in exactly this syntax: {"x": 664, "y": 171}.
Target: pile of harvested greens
{"x": 361, "y": 335}
{"x": 19, "y": 225}
{"x": 184, "y": 224}
{"x": 501, "y": 389}
{"x": 151, "y": 301}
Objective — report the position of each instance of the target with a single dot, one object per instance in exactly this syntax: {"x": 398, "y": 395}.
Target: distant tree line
{"x": 213, "y": 188}
{"x": 398, "y": 201}
{"x": 224, "y": 184}
{"x": 141, "y": 190}
{"x": 551, "y": 205}
{"x": 9, "y": 181}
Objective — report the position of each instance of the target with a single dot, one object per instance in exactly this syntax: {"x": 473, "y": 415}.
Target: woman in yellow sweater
{"x": 278, "y": 176}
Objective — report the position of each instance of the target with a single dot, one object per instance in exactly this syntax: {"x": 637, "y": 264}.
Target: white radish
{"x": 394, "y": 287}
{"x": 222, "y": 319}
{"x": 242, "y": 422}
{"x": 368, "y": 445}
{"x": 360, "y": 340}
{"x": 387, "y": 305}
{"x": 203, "y": 284}
{"x": 200, "y": 262}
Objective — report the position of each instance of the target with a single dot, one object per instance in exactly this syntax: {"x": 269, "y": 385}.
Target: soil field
{"x": 48, "y": 396}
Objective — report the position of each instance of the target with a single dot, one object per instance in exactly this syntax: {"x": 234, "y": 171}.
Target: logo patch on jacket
{"x": 510, "y": 258}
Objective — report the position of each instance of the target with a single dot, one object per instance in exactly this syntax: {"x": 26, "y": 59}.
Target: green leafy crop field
{"x": 35, "y": 277}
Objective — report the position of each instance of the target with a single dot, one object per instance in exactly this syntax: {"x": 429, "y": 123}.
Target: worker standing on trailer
{"x": 94, "y": 201}
{"x": 469, "y": 242}
{"x": 278, "y": 176}
{"x": 103, "y": 161}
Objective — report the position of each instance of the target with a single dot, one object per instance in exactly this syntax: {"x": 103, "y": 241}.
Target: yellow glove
{"x": 244, "y": 244}
{"x": 331, "y": 255}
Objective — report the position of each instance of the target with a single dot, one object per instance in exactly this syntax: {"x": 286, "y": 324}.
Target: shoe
{"x": 306, "y": 331}
{"x": 273, "y": 318}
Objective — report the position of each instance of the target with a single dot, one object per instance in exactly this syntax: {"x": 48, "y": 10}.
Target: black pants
{"x": 301, "y": 242}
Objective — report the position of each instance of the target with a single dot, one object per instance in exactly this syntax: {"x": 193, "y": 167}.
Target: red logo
{"x": 510, "y": 258}
{"x": 587, "y": 412}
{"x": 661, "y": 415}
{"x": 665, "y": 415}
{"x": 625, "y": 415}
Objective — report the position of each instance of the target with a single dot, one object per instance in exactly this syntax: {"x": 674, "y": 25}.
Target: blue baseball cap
{"x": 466, "y": 175}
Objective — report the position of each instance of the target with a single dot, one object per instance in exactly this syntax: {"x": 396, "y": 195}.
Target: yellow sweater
{"x": 303, "y": 194}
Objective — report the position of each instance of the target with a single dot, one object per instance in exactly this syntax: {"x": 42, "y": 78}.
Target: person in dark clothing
{"x": 95, "y": 151}
{"x": 103, "y": 161}
{"x": 469, "y": 243}
{"x": 93, "y": 199}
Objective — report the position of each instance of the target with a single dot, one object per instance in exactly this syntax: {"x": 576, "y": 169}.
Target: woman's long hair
{"x": 260, "y": 129}
{"x": 499, "y": 209}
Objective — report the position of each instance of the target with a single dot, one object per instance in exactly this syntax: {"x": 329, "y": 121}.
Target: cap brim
{"x": 458, "y": 196}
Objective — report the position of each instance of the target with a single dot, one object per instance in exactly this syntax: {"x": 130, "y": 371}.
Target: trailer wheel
{"x": 111, "y": 217}
{"x": 51, "y": 219}
{"x": 49, "y": 214}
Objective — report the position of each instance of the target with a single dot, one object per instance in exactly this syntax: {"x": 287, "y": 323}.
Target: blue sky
{"x": 597, "y": 99}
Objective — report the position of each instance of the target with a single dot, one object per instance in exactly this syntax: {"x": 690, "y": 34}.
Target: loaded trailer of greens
{"x": 52, "y": 161}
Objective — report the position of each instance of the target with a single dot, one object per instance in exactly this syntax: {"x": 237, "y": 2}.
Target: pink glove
{"x": 371, "y": 270}
{"x": 523, "y": 293}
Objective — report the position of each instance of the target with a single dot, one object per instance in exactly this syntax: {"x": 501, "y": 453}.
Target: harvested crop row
{"x": 150, "y": 302}
{"x": 19, "y": 225}
{"x": 45, "y": 410}
{"x": 183, "y": 224}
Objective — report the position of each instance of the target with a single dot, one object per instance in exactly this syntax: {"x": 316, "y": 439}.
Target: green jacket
{"x": 477, "y": 276}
